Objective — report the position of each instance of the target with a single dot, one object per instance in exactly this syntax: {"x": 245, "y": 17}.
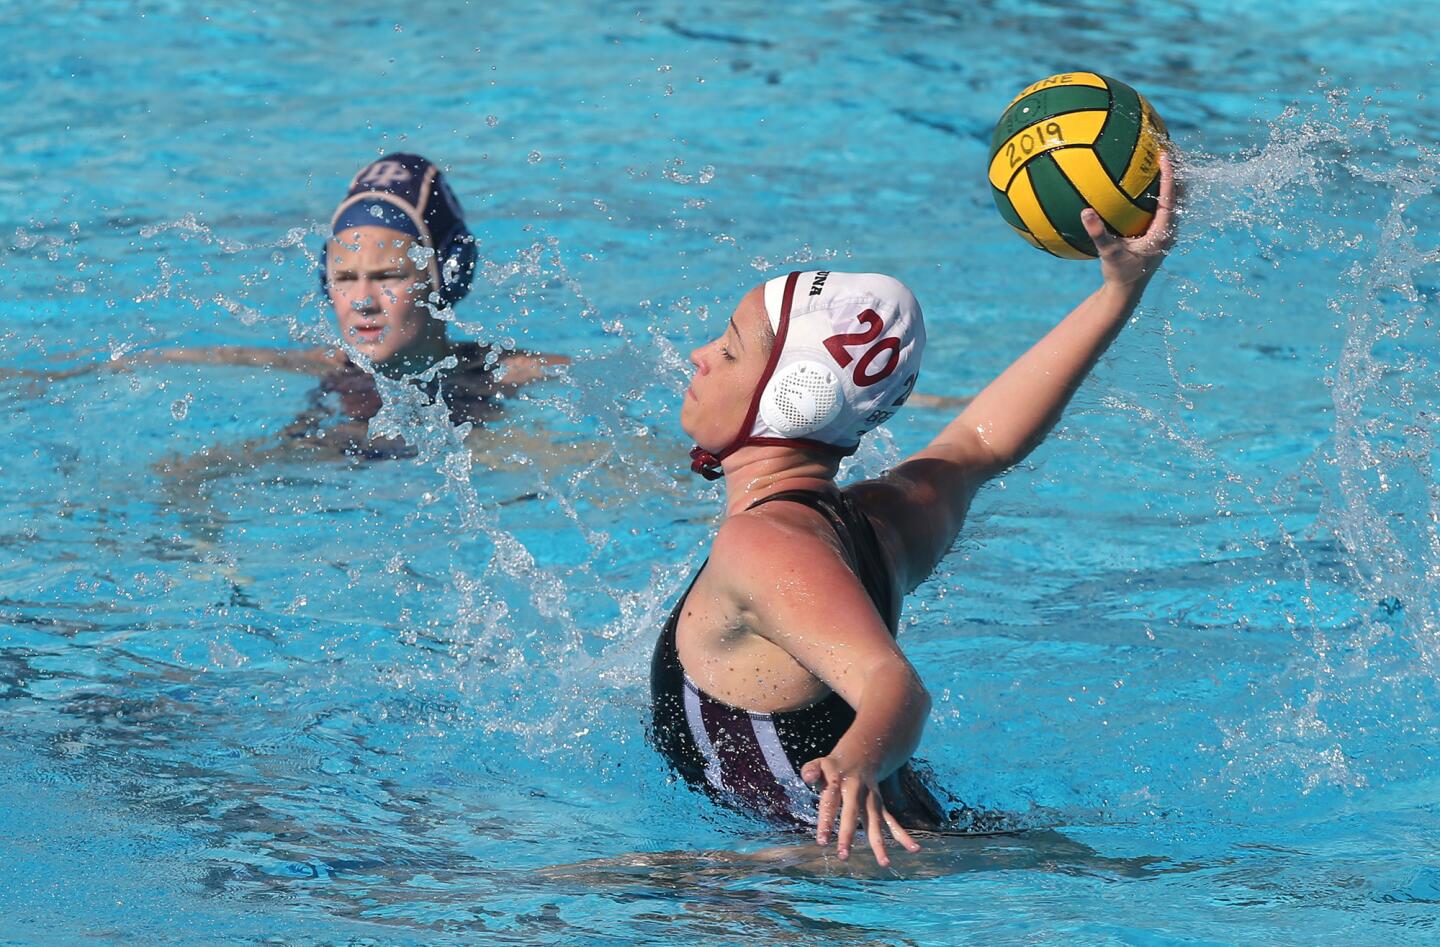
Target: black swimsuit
{"x": 753, "y": 760}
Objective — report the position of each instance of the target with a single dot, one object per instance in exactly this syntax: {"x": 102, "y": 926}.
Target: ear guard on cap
{"x": 801, "y": 398}
{"x": 457, "y": 266}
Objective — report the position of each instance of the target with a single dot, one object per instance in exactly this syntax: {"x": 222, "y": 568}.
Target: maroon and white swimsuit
{"x": 752, "y": 760}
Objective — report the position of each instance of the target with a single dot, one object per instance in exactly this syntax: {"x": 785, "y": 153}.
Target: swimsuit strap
{"x": 857, "y": 535}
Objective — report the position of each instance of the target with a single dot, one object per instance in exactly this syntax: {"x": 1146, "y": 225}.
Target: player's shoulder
{"x": 779, "y": 541}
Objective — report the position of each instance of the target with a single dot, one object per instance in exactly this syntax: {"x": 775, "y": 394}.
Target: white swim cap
{"x": 847, "y": 353}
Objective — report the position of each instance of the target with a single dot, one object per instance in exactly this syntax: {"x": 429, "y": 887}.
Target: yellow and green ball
{"x": 1072, "y": 141}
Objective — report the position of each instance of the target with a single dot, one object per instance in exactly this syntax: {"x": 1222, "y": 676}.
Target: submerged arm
{"x": 312, "y": 361}
{"x": 522, "y": 368}
{"x": 306, "y": 361}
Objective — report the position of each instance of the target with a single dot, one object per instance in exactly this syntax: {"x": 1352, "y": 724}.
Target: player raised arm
{"x": 926, "y": 497}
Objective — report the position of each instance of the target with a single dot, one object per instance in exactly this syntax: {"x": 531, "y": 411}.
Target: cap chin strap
{"x": 705, "y": 464}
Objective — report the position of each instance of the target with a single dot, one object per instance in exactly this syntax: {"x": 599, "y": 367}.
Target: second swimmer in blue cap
{"x": 398, "y": 257}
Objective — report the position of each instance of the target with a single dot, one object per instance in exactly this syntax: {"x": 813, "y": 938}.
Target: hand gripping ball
{"x": 1072, "y": 141}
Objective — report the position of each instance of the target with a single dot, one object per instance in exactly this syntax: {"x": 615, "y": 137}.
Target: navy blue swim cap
{"x": 407, "y": 193}
{"x": 374, "y": 212}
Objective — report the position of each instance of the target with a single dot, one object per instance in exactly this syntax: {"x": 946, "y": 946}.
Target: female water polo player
{"x": 777, "y": 684}
{"x": 399, "y": 256}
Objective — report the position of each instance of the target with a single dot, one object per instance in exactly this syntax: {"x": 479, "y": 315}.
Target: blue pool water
{"x": 258, "y": 697}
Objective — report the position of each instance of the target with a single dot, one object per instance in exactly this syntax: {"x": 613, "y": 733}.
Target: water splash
{"x": 1332, "y": 186}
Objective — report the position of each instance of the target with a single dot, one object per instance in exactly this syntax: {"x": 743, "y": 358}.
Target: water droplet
{"x": 492, "y": 120}
{"x": 180, "y": 408}
{"x": 534, "y": 157}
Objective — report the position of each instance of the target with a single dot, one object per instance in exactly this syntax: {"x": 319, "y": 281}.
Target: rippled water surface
{"x": 259, "y": 694}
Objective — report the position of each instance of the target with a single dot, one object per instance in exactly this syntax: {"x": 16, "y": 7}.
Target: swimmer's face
{"x": 378, "y": 292}
{"x": 727, "y": 372}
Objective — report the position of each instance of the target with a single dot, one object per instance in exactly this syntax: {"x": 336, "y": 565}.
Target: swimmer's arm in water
{"x": 924, "y": 499}
{"x": 937, "y": 402}
{"x": 521, "y": 368}
{"x": 311, "y": 361}
{"x": 797, "y": 592}
{"x": 306, "y": 361}
{"x": 44, "y": 377}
